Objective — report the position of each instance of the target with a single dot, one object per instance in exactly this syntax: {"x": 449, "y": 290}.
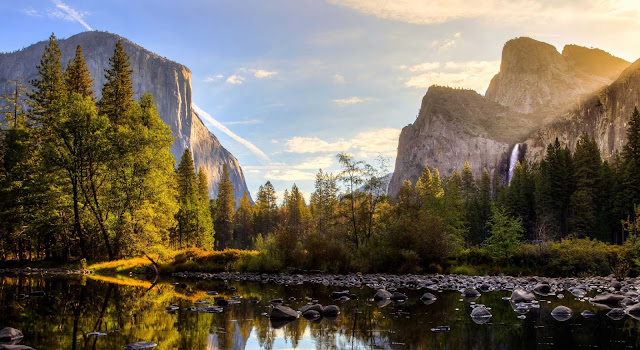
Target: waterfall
{"x": 513, "y": 160}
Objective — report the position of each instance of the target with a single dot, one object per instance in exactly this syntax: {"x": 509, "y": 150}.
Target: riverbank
{"x": 27, "y": 270}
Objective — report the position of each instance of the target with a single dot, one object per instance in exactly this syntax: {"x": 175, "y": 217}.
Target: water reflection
{"x": 121, "y": 310}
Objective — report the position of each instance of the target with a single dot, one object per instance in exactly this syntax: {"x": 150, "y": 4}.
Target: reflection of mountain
{"x": 239, "y": 341}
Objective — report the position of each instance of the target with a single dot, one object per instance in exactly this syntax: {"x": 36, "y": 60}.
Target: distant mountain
{"x": 169, "y": 82}
{"x": 539, "y": 94}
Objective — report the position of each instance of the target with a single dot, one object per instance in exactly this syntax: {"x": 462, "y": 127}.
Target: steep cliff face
{"x": 455, "y": 126}
{"x": 603, "y": 115}
{"x": 169, "y": 82}
{"x": 538, "y": 95}
{"x": 535, "y": 77}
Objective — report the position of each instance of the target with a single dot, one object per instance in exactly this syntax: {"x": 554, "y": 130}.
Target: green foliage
{"x": 506, "y": 233}
{"x": 225, "y": 210}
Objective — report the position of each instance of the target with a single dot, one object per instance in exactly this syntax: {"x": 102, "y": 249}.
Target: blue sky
{"x": 302, "y": 80}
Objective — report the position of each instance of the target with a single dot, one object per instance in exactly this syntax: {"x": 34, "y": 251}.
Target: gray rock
{"x": 608, "y": 299}
{"x": 311, "y": 314}
{"x": 281, "y": 312}
{"x": 10, "y": 336}
{"x": 470, "y": 293}
{"x": 140, "y": 345}
{"x": 331, "y": 310}
{"x": 480, "y": 311}
{"x": 398, "y": 296}
{"x": 520, "y": 295}
{"x": 561, "y": 313}
{"x": 616, "y": 314}
{"x": 382, "y": 294}
{"x": 542, "y": 289}
{"x": 428, "y": 296}
{"x": 634, "y": 310}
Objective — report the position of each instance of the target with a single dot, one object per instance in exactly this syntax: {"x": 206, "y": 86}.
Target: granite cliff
{"x": 168, "y": 81}
{"x": 539, "y": 94}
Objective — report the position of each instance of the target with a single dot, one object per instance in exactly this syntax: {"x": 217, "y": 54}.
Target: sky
{"x": 287, "y": 84}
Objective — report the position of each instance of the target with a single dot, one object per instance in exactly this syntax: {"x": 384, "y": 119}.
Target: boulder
{"x": 15, "y": 347}
{"x": 311, "y": 315}
{"x": 398, "y": 296}
{"x": 634, "y": 310}
{"x": 331, "y": 310}
{"x": 520, "y": 295}
{"x": 607, "y": 299}
{"x": 338, "y": 295}
{"x": 316, "y": 307}
{"x": 616, "y": 314}
{"x": 382, "y": 294}
{"x": 10, "y": 335}
{"x": 561, "y": 313}
{"x": 542, "y": 289}
{"x": 428, "y": 296}
{"x": 140, "y": 345}
{"x": 616, "y": 285}
{"x": 470, "y": 293}
{"x": 280, "y": 312}
{"x": 480, "y": 311}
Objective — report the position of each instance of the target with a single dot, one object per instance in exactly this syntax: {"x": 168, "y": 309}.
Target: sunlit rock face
{"x": 538, "y": 95}
{"x": 168, "y": 81}
{"x": 535, "y": 77}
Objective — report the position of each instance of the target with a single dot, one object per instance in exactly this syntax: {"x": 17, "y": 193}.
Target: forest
{"x": 88, "y": 180}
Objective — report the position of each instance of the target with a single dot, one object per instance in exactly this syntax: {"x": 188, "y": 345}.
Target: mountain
{"x": 454, "y": 126}
{"x": 538, "y": 94}
{"x": 535, "y": 77}
{"x": 603, "y": 115}
{"x": 169, "y": 82}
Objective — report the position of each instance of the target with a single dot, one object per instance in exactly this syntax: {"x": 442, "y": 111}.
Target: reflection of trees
{"x": 131, "y": 310}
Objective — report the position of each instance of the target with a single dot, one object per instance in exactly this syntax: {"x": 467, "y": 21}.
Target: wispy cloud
{"x": 338, "y": 79}
{"x": 64, "y": 11}
{"x": 447, "y": 43}
{"x": 30, "y": 11}
{"x": 244, "y": 122}
{"x": 365, "y": 144}
{"x": 500, "y": 11}
{"x": 350, "y": 101}
{"x": 262, "y": 74}
{"x": 230, "y": 133}
{"x": 212, "y": 78}
{"x": 235, "y": 79}
{"x": 474, "y": 75}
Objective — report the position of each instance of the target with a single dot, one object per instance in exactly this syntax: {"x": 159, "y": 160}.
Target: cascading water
{"x": 513, "y": 160}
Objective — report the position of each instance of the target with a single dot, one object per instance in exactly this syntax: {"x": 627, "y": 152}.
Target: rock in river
{"x": 382, "y": 294}
{"x": 398, "y": 296}
{"x": 316, "y": 307}
{"x": 520, "y": 295}
{"x": 281, "y": 312}
{"x": 331, "y": 311}
{"x": 561, "y": 313}
{"x": 10, "y": 335}
{"x": 140, "y": 345}
{"x": 480, "y": 311}
{"x": 470, "y": 293}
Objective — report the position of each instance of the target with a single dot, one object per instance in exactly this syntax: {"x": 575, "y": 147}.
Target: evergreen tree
{"x": 584, "y": 201}
{"x": 117, "y": 93}
{"x": 243, "y": 219}
{"x": 225, "y": 210}
{"x": 630, "y": 174}
{"x": 266, "y": 209}
{"x": 324, "y": 201}
{"x": 468, "y": 186}
{"x": 48, "y": 88}
{"x": 506, "y": 233}
{"x": 77, "y": 77}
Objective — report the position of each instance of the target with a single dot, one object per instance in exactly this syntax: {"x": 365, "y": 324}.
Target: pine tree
{"x": 48, "y": 88}
{"x": 77, "y": 77}
{"x": 225, "y": 209}
{"x": 630, "y": 175}
{"x": 266, "y": 209}
{"x": 243, "y": 232}
{"x": 468, "y": 187}
{"x": 117, "y": 93}
{"x": 584, "y": 201}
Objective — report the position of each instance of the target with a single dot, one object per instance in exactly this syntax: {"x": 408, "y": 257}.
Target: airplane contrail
{"x": 230, "y": 133}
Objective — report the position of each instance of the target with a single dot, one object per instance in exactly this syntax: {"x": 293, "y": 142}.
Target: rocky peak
{"x": 535, "y": 78}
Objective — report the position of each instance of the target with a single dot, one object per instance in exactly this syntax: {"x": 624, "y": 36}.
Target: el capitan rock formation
{"x": 168, "y": 81}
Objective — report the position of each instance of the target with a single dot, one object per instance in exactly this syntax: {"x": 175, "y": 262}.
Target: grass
{"x": 191, "y": 259}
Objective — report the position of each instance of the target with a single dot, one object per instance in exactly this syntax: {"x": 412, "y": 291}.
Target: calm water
{"x": 129, "y": 310}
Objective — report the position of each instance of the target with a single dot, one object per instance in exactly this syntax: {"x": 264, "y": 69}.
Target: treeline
{"x": 350, "y": 223}
{"x": 82, "y": 178}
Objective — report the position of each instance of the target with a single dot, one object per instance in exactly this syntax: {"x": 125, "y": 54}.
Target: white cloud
{"x": 322, "y": 162}
{"x": 350, "y": 101}
{"x": 244, "y": 122}
{"x": 235, "y": 79}
{"x": 31, "y": 12}
{"x": 500, "y": 11}
{"x": 230, "y": 133}
{"x": 262, "y": 74}
{"x": 422, "y": 67}
{"x": 474, "y": 75}
{"x": 212, "y": 78}
{"x": 289, "y": 175}
{"x": 365, "y": 144}
{"x": 338, "y": 79}
{"x": 69, "y": 14}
